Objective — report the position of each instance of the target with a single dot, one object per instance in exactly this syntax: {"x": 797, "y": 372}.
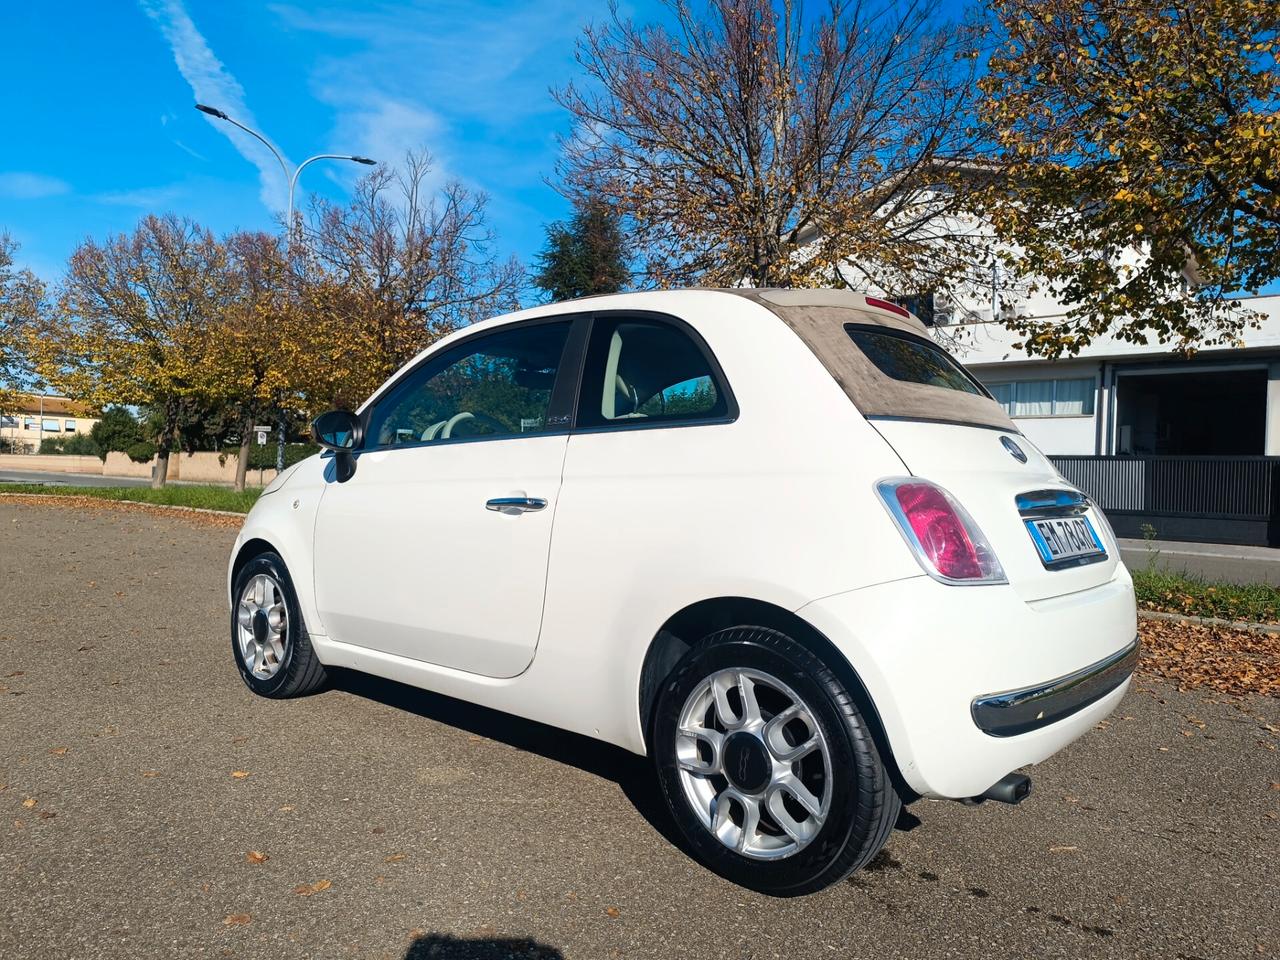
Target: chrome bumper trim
{"x": 1015, "y": 712}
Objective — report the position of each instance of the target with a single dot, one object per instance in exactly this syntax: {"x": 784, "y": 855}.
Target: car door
{"x": 436, "y": 547}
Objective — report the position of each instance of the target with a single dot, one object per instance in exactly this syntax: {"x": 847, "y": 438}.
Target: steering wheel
{"x": 498, "y": 426}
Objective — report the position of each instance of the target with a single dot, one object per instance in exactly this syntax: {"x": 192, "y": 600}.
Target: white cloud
{"x": 144, "y": 198}
{"x": 31, "y": 186}
{"x": 213, "y": 84}
{"x": 466, "y": 79}
{"x": 382, "y": 127}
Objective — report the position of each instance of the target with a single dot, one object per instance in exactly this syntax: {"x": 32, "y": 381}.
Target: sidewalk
{"x": 1212, "y": 561}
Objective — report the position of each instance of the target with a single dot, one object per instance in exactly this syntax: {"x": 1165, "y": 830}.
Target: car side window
{"x": 498, "y": 385}
{"x": 643, "y": 371}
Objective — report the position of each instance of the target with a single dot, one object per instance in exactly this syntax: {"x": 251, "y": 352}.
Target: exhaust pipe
{"x": 1011, "y": 788}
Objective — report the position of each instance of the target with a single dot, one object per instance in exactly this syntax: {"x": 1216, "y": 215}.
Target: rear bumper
{"x": 1016, "y": 712}
{"x": 930, "y": 657}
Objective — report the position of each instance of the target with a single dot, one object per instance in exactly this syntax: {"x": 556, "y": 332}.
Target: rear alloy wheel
{"x": 768, "y": 767}
{"x": 268, "y": 638}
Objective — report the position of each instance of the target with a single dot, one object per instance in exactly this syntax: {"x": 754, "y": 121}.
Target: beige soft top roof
{"x": 818, "y": 318}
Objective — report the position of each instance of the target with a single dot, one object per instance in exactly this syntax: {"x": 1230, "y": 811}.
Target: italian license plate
{"x": 1067, "y": 538}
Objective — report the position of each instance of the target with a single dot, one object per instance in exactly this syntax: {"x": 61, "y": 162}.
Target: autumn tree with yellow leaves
{"x": 247, "y": 363}
{"x": 1141, "y": 148}
{"x": 22, "y": 297}
{"x": 759, "y": 142}
{"x": 134, "y": 324}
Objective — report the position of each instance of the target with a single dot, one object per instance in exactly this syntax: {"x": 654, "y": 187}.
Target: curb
{"x": 136, "y": 503}
{"x": 1268, "y": 628}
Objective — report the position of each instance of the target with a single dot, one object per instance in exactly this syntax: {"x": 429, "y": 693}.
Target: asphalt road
{"x": 69, "y": 479}
{"x": 137, "y": 775}
{"x": 1212, "y": 561}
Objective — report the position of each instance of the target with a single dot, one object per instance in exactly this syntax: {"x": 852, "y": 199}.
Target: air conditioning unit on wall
{"x": 943, "y": 309}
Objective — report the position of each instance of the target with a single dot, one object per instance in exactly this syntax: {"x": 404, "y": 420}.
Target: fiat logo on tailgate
{"x": 1015, "y": 451}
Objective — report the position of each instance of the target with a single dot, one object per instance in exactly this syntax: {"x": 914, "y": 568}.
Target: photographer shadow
{"x": 434, "y": 946}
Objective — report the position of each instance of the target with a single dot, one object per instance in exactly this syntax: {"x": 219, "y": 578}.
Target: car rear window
{"x": 911, "y": 360}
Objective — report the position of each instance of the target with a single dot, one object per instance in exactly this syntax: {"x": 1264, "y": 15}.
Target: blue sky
{"x": 100, "y": 128}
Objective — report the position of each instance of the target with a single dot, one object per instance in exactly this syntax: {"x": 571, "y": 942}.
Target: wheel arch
{"x": 253, "y": 547}
{"x": 689, "y": 625}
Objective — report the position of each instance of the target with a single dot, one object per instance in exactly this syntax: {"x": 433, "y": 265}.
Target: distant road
{"x": 70, "y": 479}
{"x": 1212, "y": 561}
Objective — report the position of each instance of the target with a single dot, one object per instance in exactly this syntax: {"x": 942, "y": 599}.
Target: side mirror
{"x": 339, "y": 431}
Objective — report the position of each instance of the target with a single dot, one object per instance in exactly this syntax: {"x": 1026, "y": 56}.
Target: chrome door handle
{"x": 515, "y": 504}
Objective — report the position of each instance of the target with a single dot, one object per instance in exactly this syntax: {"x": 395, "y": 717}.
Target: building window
{"x": 29, "y": 423}
{"x": 69, "y": 426}
{"x": 7, "y": 420}
{"x": 51, "y": 426}
{"x": 1046, "y": 398}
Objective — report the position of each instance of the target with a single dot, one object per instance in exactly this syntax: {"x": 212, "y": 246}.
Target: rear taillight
{"x": 942, "y": 535}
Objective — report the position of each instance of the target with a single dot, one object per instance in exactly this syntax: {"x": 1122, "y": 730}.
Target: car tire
{"x": 269, "y": 639}
{"x": 816, "y": 819}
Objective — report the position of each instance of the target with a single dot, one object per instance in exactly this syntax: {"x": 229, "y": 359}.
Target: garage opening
{"x": 1192, "y": 414}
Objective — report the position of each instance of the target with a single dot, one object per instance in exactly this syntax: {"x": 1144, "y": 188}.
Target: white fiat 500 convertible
{"x": 778, "y": 541}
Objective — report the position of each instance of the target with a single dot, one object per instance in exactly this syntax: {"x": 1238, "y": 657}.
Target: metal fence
{"x": 1213, "y": 499}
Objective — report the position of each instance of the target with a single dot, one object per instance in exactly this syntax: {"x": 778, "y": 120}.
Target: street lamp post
{"x": 293, "y": 182}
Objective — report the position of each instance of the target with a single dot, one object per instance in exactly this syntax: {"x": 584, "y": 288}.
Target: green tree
{"x": 117, "y": 430}
{"x": 1141, "y": 147}
{"x": 584, "y": 256}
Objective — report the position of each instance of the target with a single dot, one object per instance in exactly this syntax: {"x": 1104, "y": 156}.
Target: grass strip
{"x": 198, "y": 496}
{"x": 1194, "y": 596}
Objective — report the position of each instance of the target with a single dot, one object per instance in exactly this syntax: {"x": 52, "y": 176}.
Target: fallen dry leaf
{"x": 613, "y": 911}
{"x": 307, "y": 889}
{"x": 29, "y": 802}
{"x": 1229, "y": 661}
{"x": 97, "y": 504}
{"x": 287, "y": 808}
{"x": 237, "y": 919}
{"x": 256, "y": 856}
{"x": 150, "y": 773}
{"x": 394, "y": 858}
{"x": 239, "y": 774}
{"x": 59, "y": 751}
{"x": 47, "y": 814}
{"x": 1062, "y": 849}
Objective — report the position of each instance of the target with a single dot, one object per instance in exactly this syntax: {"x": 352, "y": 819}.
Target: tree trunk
{"x": 160, "y": 469}
{"x": 242, "y": 465}
{"x": 164, "y": 443}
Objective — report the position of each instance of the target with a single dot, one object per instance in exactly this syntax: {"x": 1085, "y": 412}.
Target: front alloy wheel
{"x": 263, "y": 625}
{"x": 268, "y": 638}
{"x": 767, "y": 764}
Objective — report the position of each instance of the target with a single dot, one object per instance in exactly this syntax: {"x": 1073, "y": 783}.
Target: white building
{"x": 1114, "y": 397}
{"x": 1125, "y": 398}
